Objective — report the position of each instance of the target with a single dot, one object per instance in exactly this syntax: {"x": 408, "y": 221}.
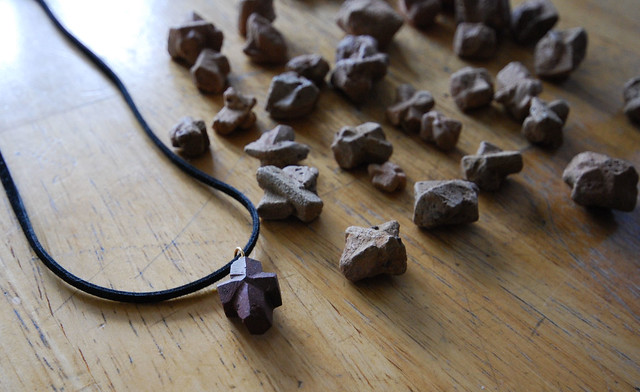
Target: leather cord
{"x": 105, "y": 292}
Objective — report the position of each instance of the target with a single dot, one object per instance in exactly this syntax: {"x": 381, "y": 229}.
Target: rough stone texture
{"x": 409, "y": 107}
{"x": 420, "y": 13}
{"x": 276, "y": 147}
{"x": 559, "y": 53}
{"x": 532, "y": 19}
{"x": 372, "y": 251}
{"x": 375, "y": 18}
{"x": 236, "y": 114}
{"x": 471, "y": 88}
{"x": 631, "y": 96}
{"x": 311, "y": 66}
{"x": 189, "y": 39}
{"x": 601, "y": 181}
{"x": 250, "y": 295}
{"x": 475, "y": 41}
{"x": 265, "y": 44}
{"x": 493, "y": 13}
{"x": 291, "y": 96}
{"x": 190, "y": 137}
{"x": 358, "y": 65}
{"x": 387, "y": 177}
{"x": 289, "y": 192}
{"x": 365, "y": 143}
{"x": 439, "y": 203}
{"x": 441, "y": 130}
{"x": 263, "y": 8}
{"x": 490, "y": 166}
{"x": 516, "y": 88}
{"x": 543, "y": 126}
{"x": 209, "y": 73}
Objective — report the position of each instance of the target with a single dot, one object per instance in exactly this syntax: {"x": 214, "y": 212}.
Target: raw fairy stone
{"x": 450, "y": 202}
{"x": 490, "y": 166}
{"x": 276, "y": 147}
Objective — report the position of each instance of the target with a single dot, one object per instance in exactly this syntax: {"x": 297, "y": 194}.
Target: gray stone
{"x": 420, "y": 13}
{"x": 236, "y": 114}
{"x": 277, "y": 148}
{"x": 559, "y": 53}
{"x": 601, "y": 181}
{"x": 263, "y": 8}
{"x": 475, "y": 41}
{"x": 441, "y": 130}
{"x": 409, "y": 107}
{"x": 190, "y": 137}
{"x": 210, "y": 71}
{"x": 532, "y": 19}
{"x": 265, "y": 44}
{"x": 387, "y": 177}
{"x": 291, "y": 96}
{"x": 631, "y": 96}
{"x": 373, "y": 251}
{"x": 439, "y": 203}
{"x": 311, "y": 66}
{"x": 366, "y": 143}
{"x": 189, "y": 39}
{"x": 289, "y": 192}
{"x": 490, "y": 166}
{"x": 471, "y": 88}
{"x": 544, "y": 126}
{"x": 375, "y": 18}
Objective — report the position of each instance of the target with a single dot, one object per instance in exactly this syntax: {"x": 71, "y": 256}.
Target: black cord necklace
{"x": 105, "y": 292}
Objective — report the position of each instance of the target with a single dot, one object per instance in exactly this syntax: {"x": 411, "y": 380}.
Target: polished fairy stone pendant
{"x": 250, "y": 295}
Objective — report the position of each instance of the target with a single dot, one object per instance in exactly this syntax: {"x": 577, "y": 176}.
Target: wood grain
{"x": 538, "y": 295}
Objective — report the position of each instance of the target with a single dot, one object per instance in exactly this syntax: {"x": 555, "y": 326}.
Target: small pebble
{"x": 236, "y": 114}
{"x": 289, "y": 192}
{"x": 311, "y": 66}
{"x": 516, "y": 88}
{"x": 489, "y": 167}
{"x": 631, "y": 96}
{"x": 532, "y": 19}
{"x": 544, "y": 124}
{"x": 265, "y": 44}
{"x": 441, "y": 130}
{"x": 372, "y": 251}
{"x": 263, "y": 8}
{"x": 375, "y": 18}
{"x": 366, "y": 143}
{"x": 250, "y": 295}
{"x": 209, "y": 73}
{"x": 475, "y": 41}
{"x": 291, "y": 96}
{"x": 189, "y": 39}
{"x": 409, "y": 107}
{"x": 276, "y": 147}
{"x": 387, "y": 177}
{"x": 190, "y": 137}
{"x": 493, "y": 13}
{"x": 439, "y": 203}
{"x": 420, "y": 13}
{"x": 471, "y": 88}
{"x": 598, "y": 180}
{"x": 559, "y": 53}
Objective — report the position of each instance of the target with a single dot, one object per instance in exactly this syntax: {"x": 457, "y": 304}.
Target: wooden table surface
{"x": 539, "y": 295}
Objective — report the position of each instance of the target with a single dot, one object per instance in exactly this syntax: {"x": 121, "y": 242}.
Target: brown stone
{"x": 489, "y": 167}
{"x": 289, "y": 192}
{"x": 291, "y": 96}
{"x": 358, "y": 66}
{"x": 471, "y": 88}
{"x": 475, "y": 41}
{"x": 387, "y": 177}
{"x": 409, "y": 107}
{"x": 250, "y": 295}
{"x": 598, "y": 180}
{"x": 265, "y": 44}
{"x": 493, "y": 13}
{"x": 631, "y": 96}
{"x": 420, "y": 13}
{"x": 373, "y": 251}
{"x": 544, "y": 126}
{"x": 263, "y": 8}
{"x": 276, "y": 147}
{"x": 532, "y": 19}
{"x": 441, "y": 130}
{"x": 190, "y": 137}
{"x": 439, "y": 203}
{"x": 559, "y": 53}
{"x": 189, "y": 39}
{"x": 366, "y": 143}
{"x": 516, "y": 88}
{"x": 236, "y": 114}
{"x": 210, "y": 71}
{"x": 311, "y": 66}
{"x": 375, "y": 18}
